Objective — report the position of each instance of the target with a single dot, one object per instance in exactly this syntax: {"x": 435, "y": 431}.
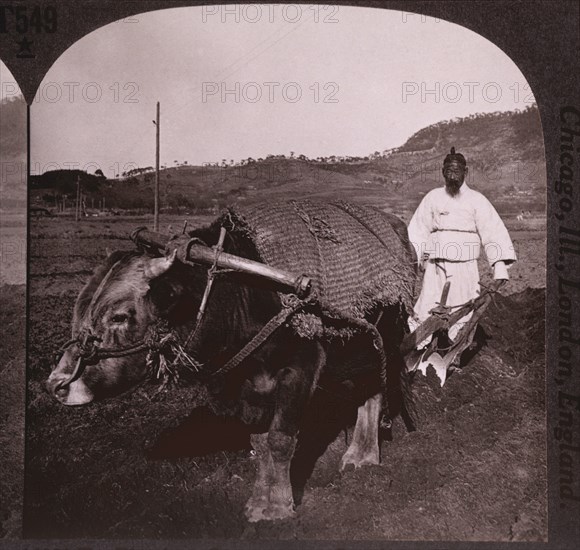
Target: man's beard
{"x": 452, "y": 188}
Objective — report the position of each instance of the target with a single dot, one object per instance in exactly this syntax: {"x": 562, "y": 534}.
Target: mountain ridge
{"x": 504, "y": 151}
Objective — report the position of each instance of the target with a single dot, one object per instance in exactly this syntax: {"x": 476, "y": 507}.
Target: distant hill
{"x": 504, "y": 152}
{"x": 12, "y": 151}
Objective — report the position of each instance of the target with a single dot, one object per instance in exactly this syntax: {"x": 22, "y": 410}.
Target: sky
{"x": 246, "y": 81}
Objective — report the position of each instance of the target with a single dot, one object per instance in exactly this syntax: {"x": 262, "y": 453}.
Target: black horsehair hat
{"x": 455, "y": 157}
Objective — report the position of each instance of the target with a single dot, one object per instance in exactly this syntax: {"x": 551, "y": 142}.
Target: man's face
{"x": 454, "y": 174}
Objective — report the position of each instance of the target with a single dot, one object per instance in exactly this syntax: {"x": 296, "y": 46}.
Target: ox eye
{"x": 119, "y": 318}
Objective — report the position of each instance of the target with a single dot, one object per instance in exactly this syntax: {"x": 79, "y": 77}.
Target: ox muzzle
{"x": 68, "y": 386}
{"x": 65, "y": 385}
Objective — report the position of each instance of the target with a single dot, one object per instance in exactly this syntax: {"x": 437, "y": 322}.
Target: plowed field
{"x": 157, "y": 465}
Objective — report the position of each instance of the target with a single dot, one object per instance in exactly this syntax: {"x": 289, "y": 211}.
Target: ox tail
{"x": 399, "y": 395}
{"x": 408, "y": 409}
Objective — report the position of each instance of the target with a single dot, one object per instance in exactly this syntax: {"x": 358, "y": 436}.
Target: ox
{"x": 131, "y": 291}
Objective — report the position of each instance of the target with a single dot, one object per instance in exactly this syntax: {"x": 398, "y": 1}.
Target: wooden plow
{"x": 442, "y": 317}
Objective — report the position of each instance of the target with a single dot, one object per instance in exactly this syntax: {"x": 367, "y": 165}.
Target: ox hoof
{"x": 371, "y": 459}
{"x": 255, "y": 507}
{"x": 279, "y": 511}
{"x": 262, "y": 510}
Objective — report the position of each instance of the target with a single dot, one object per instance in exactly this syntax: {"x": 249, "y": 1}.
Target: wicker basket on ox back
{"x": 358, "y": 257}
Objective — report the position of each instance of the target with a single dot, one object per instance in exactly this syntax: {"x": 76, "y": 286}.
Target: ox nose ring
{"x": 88, "y": 351}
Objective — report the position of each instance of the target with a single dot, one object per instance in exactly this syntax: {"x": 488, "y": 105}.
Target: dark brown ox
{"x": 130, "y": 292}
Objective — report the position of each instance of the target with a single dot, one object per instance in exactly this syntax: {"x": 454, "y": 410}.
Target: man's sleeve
{"x": 420, "y": 227}
{"x": 494, "y": 235}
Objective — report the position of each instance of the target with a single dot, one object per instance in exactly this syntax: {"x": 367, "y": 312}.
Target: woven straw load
{"x": 358, "y": 257}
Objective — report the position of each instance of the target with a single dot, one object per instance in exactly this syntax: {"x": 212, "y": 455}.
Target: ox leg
{"x": 272, "y": 495}
{"x": 294, "y": 386}
{"x": 261, "y": 494}
{"x": 364, "y": 447}
{"x": 282, "y": 441}
{"x": 282, "y": 448}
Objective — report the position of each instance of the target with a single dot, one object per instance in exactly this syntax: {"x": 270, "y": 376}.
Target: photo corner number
{"x": 24, "y": 22}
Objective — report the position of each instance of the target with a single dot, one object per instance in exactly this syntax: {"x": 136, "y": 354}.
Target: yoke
{"x": 297, "y": 289}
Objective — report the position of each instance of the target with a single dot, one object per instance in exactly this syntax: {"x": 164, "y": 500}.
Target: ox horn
{"x": 158, "y": 266}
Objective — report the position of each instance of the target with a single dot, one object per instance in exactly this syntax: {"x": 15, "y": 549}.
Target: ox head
{"x": 125, "y": 296}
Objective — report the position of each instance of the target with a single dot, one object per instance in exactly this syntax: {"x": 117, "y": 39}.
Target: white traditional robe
{"x": 452, "y": 230}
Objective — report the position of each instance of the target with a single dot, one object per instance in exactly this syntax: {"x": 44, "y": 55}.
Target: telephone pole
{"x": 156, "y": 206}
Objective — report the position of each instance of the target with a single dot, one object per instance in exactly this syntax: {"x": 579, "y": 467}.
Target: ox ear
{"x": 157, "y": 266}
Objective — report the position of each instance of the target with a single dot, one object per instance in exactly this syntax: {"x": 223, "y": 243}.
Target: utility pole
{"x": 78, "y": 204}
{"x": 156, "y": 206}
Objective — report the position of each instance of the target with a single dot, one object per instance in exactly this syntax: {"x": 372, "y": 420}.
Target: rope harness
{"x": 291, "y": 304}
{"x": 90, "y": 352}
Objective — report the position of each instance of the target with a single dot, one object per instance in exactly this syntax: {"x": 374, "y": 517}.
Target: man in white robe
{"x": 448, "y": 230}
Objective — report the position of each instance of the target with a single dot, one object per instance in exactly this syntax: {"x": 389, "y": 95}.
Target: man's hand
{"x": 500, "y": 275}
